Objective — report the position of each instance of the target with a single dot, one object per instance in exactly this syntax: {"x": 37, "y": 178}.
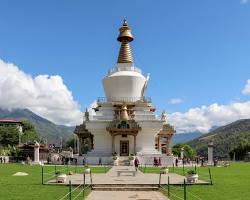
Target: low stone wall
{"x": 94, "y": 160}
{"x": 149, "y": 159}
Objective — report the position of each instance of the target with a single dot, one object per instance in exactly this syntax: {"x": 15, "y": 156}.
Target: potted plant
{"x": 192, "y": 176}
{"x": 164, "y": 170}
{"x": 71, "y": 173}
{"x": 57, "y": 173}
{"x": 87, "y": 171}
{"x": 60, "y": 178}
{"x": 131, "y": 157}
{"x": 115, "y": 160}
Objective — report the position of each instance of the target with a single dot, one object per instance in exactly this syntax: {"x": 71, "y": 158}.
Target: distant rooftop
{"x": 14, "y": 121}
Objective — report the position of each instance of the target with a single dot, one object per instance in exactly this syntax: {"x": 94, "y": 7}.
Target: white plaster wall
{"x": 143, "y": 113}
{"x": 145, "y": 140}
{"x": 94, "y": 160}
{"x": 146, "y": 137}
{"x": 167, "y": 161}
{"x": 124, "y": 84}
{"x": 102, "y": 138}
{"x": 105, "y": 113}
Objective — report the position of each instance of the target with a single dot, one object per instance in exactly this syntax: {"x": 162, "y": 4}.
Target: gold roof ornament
{"x": 124, "y": 113}
{"x": 125, "y": 37}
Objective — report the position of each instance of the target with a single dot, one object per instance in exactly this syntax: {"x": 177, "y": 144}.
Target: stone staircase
{"x": 124, "y": 161}
{"x": 125, "y": 187}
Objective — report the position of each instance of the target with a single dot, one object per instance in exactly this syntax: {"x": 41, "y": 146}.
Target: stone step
{"x": 127, "y": 188}
{"x": 125, "y": 185}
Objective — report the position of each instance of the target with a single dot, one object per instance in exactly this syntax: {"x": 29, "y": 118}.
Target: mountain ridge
{"x": 225, "y": 138}
{"x": 46, "y": 129}
{"x": 185, "y": 137}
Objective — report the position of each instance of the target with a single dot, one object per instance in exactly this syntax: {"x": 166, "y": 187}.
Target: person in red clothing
{"x": 136, "y": 163}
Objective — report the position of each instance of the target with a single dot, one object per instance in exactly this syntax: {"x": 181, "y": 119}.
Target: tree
{"x": 29, "y": 132}
{"x": 241, "y": 150}
{"x": 70, "y": 142}
{"x": 9, "y": 135}
{"x": 189, "y": 152}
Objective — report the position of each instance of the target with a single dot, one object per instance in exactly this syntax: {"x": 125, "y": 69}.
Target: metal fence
{"x": 177, "y": 192}
{"x": 79, "y": 191}
{"x": 180, "y": 192}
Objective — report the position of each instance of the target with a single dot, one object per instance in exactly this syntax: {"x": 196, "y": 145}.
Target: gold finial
{"x": 125, "y": 36}
{"x": 125, "y": 23}
{"x": 124, "y": 112}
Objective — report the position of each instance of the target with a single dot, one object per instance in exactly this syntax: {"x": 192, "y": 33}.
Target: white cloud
{"x": 175, "y": 101}
{"x": 45, "y": 95}
{"x": 205, "y": 117}
{"x": 246, "y": 90}
{"x": 244, "y": 1}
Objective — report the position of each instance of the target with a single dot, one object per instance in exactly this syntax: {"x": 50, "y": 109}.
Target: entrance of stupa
{"x": 124, "y": 148}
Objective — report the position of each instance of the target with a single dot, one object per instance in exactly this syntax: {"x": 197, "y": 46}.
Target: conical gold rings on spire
{"x": 125, "y": 37}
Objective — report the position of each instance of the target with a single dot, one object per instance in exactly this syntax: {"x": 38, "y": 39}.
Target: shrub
{"x": 58, "y": 173}
{"x": 191, "y": 172}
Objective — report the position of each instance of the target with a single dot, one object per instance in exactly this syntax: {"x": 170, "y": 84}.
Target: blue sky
{"x": 195, "y": 50}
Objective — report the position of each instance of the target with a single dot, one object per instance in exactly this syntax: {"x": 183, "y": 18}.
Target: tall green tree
{"x": 29, "y": 132}
{"x": 189, "y": 152}
{"x": 241, "y": 150}
{"x": 9, "y": 135}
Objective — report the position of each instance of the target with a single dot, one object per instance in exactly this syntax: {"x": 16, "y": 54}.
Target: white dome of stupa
{"x": 125, "y": 82}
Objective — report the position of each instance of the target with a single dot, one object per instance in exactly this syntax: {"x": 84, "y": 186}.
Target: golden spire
{"x": 124, "y": 113}
{"x": 125, "y": 37}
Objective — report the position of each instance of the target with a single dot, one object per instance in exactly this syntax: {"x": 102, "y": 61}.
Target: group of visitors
{"x": 2, "y": 160}
{"x": 157, "y": 162}
{"x": 187, "y": 161}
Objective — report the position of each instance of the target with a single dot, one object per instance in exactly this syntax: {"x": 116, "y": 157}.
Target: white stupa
{"x": 124, "y": 122}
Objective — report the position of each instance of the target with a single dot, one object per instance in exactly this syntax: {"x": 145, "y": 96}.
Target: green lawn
{"x": 229, "y": 183}
{"x": 30, "y": 187}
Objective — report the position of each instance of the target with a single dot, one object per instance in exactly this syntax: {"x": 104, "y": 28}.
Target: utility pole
{"x": 61, "y": 143}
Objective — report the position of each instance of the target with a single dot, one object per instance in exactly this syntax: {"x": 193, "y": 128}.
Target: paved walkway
{"x": 126, "y": 195}
{"x": 140, "y": 178}
{"x": 112, "y": 180}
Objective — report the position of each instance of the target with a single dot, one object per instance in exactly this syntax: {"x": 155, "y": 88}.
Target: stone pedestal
{"x": 210, "y": 157}
{"x": 36, "y": 153}
{"x": 182, "y": 153}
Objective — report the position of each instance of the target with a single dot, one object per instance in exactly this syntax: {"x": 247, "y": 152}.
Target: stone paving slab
{"x": 126, "y": 195}
{"x": 140, "y": 178}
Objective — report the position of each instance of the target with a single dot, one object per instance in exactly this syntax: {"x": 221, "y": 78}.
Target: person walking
{"x": 155, "y": 162}
{"x": 176, "y": 162}
{"x": 84, "y": 161}
{"x": 136, "y": 163}
{"x": 159, "y": 161}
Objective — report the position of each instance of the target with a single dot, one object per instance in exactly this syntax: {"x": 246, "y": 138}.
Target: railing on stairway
{"x": 179, "y": 192}
{"x": 176, "y": 192}
{"x": 50, "y": 172}
{"x": 79, "y": 191}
